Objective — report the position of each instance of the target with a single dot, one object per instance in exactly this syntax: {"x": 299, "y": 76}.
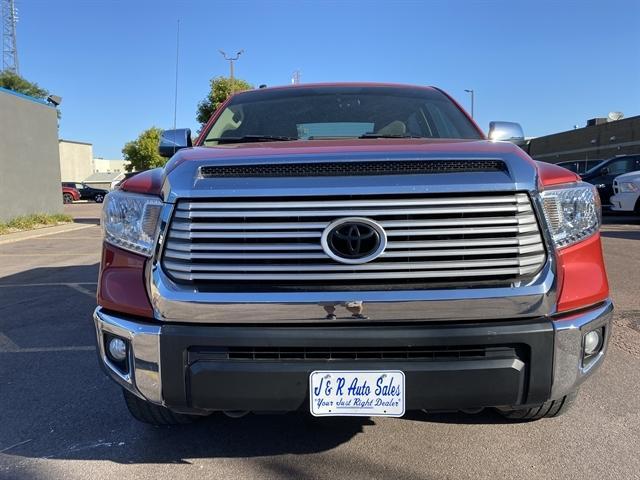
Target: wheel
{"x": 99, "y": 198}
{"x": 550, "y": 409}
{"x": 67, "y": 198}
{"x": 153, "y": 414}
{"x": 637, "y": 207}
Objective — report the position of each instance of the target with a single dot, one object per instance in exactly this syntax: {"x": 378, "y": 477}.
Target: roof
{"x": 102, "y": 177}
{"x": 26, "y": 97}
{"x": 60, "y": 140}
{"x": 629, "y": 177}
{"x": 337, "y": 84}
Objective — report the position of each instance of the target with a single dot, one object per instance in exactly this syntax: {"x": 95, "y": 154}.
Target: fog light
{"x": 117, "y": 349}
{"x": 592, "y": 342}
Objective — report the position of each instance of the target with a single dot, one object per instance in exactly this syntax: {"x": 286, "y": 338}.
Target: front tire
{"x": 67, "y": 198}
{"x": 153, "y": 414}
{"x": 550, "y": 409}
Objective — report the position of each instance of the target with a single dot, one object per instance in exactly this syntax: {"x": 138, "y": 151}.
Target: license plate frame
{"x": 330, "y": 397}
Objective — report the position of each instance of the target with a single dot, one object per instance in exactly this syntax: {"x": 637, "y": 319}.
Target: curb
{"x": 42, "y": 232}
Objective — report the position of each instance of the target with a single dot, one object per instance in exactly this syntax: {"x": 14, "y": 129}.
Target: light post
{"x": 231, "y": 60}
{"x": 472, "y": 100}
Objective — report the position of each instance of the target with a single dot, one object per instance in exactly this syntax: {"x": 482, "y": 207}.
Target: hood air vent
{"x": 353, "y": 168}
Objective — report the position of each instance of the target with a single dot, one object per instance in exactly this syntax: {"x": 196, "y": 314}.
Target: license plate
{"x": 359, "y": 393}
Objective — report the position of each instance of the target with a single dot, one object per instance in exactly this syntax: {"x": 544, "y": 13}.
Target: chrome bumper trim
{"x": 179, "y": 303}
{"x": 143, "y": 378}
{"x": 568, "y": 369}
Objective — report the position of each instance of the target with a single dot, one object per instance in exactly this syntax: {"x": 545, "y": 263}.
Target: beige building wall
{"x": 76, "y": 160}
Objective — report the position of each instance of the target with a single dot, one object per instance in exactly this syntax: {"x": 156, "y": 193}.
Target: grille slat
{"x": 189, "y": 226}
{"x": 350, "y": 353}
{"x": 489, "y": 272}
{"x": 390, "y": 232}
{"x": 394, "y": 202}
{"x": 193, "y": 214}
{"x": 170, "y": 253}
{"x": 246, "y": 267}
{"x": 274, "y": 241}
{"x": 187, "y": 247}
{"x": 520, "y": 240}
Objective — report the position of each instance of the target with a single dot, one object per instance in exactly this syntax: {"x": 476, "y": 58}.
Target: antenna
{"x": 9, "y": 46}
{"x": 175, "y": 99}
{"x": 613, "y": 116}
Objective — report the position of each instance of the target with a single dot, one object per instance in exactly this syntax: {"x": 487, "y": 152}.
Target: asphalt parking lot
{"x": 60, "y": 417}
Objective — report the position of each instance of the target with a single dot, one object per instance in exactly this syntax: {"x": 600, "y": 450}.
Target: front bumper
{"x": 189, "y": 368}
{"x": 624, "y": 201}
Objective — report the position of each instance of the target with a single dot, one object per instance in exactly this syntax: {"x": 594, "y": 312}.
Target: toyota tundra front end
{"x": 350, "y": 249}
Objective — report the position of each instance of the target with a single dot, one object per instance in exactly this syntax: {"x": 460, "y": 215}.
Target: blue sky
{"x": 548, "y": 65}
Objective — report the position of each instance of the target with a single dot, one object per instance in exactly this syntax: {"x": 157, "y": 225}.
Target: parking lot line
{"x": 51, "y": 284}
{"x": 42, "y": 232}
{"x": 48, "y": 254}
{"x": 78, "y": 348}
{"x": 9, "y": 346}
{"x": 81, "y": 289}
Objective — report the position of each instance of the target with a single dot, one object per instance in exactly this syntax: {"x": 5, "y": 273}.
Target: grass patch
{"x": 31, "y": 222}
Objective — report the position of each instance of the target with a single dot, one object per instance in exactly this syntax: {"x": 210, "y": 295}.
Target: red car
{"x": 353, "y": 250}
{"x": 70, "y": 195}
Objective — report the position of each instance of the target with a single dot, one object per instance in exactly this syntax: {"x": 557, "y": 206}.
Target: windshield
{"x": 340, "y": 112}
{"x": 596, "y": 167}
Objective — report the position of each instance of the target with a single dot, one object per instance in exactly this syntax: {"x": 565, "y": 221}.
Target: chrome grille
{"x": 269, "y": 241}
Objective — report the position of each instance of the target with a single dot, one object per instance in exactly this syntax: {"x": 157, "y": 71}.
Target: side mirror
{"x": 506, "y": 132}
{"x": 173, "y": 140}
{"x": 605, "y": 171}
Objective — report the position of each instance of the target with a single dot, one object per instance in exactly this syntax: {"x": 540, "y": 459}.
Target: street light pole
{"x": 472, "y": 100}
{"x": 231, "y": 60}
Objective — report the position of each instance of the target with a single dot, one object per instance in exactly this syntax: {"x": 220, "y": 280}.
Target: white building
{"x": 77, "y": 164}
{"x": 104, "y": 165}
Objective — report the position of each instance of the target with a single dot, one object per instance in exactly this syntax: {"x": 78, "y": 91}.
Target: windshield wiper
{"x": 381, "y": 135}
{"x": 251, "y": 138}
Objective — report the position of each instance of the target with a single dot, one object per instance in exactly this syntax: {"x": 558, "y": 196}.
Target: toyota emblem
{"x": 354, "y": 240}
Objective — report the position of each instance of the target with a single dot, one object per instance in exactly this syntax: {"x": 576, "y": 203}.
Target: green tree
{"x": 143, "y": 151}
{"x": 13, "y": 81}
{"x": 220, "y": 90}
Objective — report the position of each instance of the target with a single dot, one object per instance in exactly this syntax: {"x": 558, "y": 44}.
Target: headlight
{"x": 627, "y": 187}
{"x": 572, "y": 211}
{"x": 130, "y": 220}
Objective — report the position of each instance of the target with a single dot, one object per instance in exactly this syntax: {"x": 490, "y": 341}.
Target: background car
{"x": 87, "y": 192}
{"x": 627, "y": 193}
{"x": 603, "y": 174}
{"x": 70, "y": 194}
{"x": 579, "y": 166}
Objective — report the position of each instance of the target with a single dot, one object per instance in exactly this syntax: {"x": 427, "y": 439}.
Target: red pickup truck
{"x": 350, "y": 249}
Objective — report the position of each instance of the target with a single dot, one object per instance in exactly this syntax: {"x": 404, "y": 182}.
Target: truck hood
{"x": 183, "y": 179}
{"x": 238, "y": 153}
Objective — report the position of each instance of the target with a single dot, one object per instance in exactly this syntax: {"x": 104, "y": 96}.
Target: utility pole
{"x": 295, "y": 78}
{"x": 9, "y": 45}
{"x": 472, "y": 100}
{"x": 231, "y": 60}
